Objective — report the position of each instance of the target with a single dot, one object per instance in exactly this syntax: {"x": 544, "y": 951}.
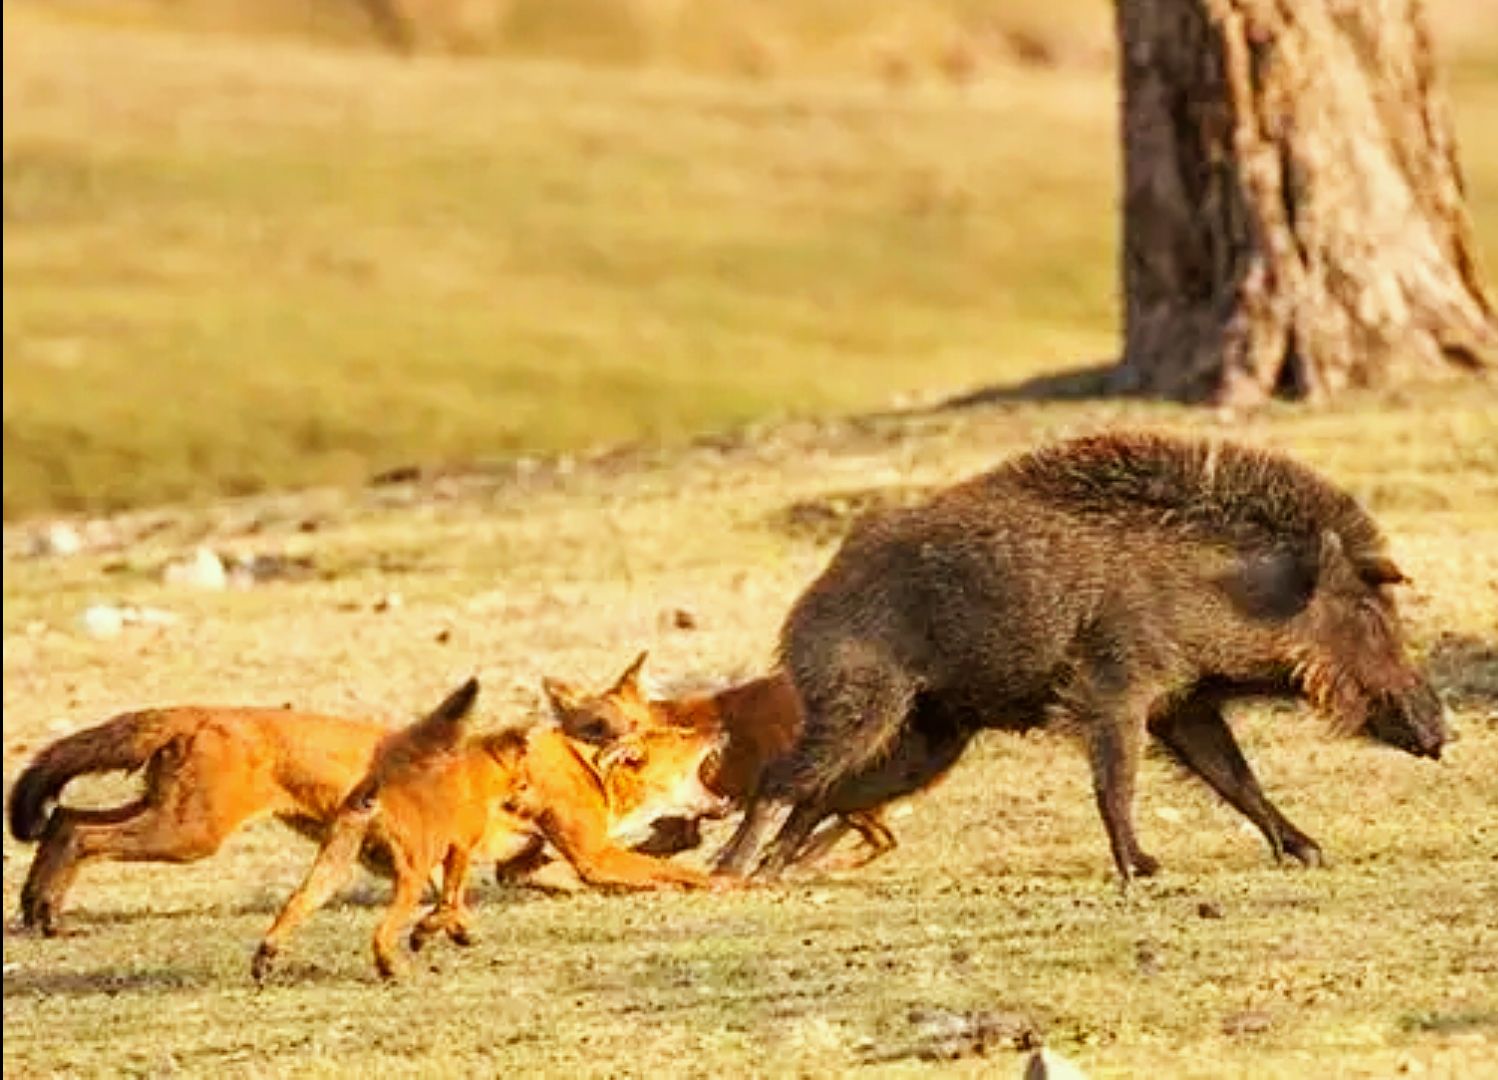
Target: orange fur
{"x": 449, "y": 797}
{"x": 758, "y": 721}
{"x": 207, "y": 772}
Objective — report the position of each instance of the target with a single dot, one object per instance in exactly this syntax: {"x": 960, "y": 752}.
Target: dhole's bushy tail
{"x": 126, "y": 742}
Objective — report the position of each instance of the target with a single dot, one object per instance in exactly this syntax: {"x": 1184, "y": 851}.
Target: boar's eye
{"x": 1270, "y": 585}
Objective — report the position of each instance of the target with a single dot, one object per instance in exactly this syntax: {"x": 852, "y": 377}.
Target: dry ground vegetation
{"x": 235, "y": 263}
{"x": 996, "y": 916}
{"x": 234, "y": 267}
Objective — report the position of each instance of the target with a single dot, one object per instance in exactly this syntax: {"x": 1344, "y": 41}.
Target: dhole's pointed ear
{"x": 1381, "y": 570}
{"x": 629, "y": 682}
{"x": 457, "y": 705}
{"x": 562, "y": 696}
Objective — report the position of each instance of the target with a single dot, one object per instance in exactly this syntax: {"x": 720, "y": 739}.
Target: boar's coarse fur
{"x": 1113, "y": 585}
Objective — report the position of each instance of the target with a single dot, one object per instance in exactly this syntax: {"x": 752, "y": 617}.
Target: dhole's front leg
{"x": 330, "y": 870}
{"x": 574, "y": 815}
{"x": 584, "y": 841}
{"x": 618, "y": 868}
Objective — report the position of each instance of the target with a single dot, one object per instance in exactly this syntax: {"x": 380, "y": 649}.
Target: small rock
{"x": 682, "y": 619}
{"x": 1209, "y": 909}
{"x": 204, "y": 570}
{"x": 103, "y": 620}
{"x": 389, "y": 602}
{"x": 253, "y": 569}
{"x": 59, "y": 539}
{"x": 444, "y": 636}
{"x": 108, "y": 620}
{"x": 149, "y": 616}
{"x": 1049, "y": 1065}
{"x": 1248, "y": 1022}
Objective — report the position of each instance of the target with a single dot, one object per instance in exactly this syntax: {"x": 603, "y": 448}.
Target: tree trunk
{"x": 1293, "y": 218}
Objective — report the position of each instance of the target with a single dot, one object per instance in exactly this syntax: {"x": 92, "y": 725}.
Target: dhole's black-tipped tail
{"x": 443, "y": 727}
{"x": 126, "y": 742}
{"x": 30, "y": 803}
{"x": 438, "y": 732}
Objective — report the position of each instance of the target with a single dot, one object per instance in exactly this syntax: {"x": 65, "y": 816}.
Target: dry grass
{"x": 235, "y": 266}
{"x": 999, "y": 897}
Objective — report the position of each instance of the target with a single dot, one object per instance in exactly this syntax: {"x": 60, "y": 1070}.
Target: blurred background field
{"x": 250, "y": 246}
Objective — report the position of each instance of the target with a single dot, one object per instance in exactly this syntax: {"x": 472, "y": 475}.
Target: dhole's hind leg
{"x": 409, "y": 882}
{"x": 1199, "y": 738}
{"x": 141, "y": 831}
{"x": 450, "y": 915}
{"x": 333, "y": 867}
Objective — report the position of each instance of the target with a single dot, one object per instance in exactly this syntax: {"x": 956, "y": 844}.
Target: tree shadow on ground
{"x": 1078, "y": 384}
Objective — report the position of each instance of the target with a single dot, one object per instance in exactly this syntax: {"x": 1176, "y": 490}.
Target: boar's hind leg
{"x": 1199, "y": 738}
{"x": 804, "y": 817}
{"x": 735, "y": 855}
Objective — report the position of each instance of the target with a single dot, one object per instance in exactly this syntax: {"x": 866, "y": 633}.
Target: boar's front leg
{"x": 1105, "y": 703}
{"x": 1196, "y": 734}
{"x": 1113, "y": 740}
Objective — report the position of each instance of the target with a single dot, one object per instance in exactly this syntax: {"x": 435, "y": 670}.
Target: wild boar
{"x": 1112, "y": 585}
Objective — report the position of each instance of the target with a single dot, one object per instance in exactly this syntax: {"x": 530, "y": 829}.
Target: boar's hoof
{"x": 1306, "y": 852}
{"x": 1144, "y": 865}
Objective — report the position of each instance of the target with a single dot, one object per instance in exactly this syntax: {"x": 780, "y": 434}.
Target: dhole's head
{"x": 601, "y": 718}
{"x": 660, "y": 773}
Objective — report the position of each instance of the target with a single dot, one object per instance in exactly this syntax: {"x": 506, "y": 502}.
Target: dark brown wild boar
{"x": 1114, "y": 584}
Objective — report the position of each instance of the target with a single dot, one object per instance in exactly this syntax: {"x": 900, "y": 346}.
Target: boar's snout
{"x": 1414, "y": 721}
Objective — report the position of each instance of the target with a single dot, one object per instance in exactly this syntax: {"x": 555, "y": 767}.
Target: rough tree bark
{"x": 1293, "y": 214}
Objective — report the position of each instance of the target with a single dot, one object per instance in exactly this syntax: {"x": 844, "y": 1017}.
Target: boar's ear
{"x": 1270, "y": 585}
{"x": 1380, "y": 570}
{"x": 1334, "y": 569}
{"x": 629, "y": 682}
{"x": 562, "y": 696}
